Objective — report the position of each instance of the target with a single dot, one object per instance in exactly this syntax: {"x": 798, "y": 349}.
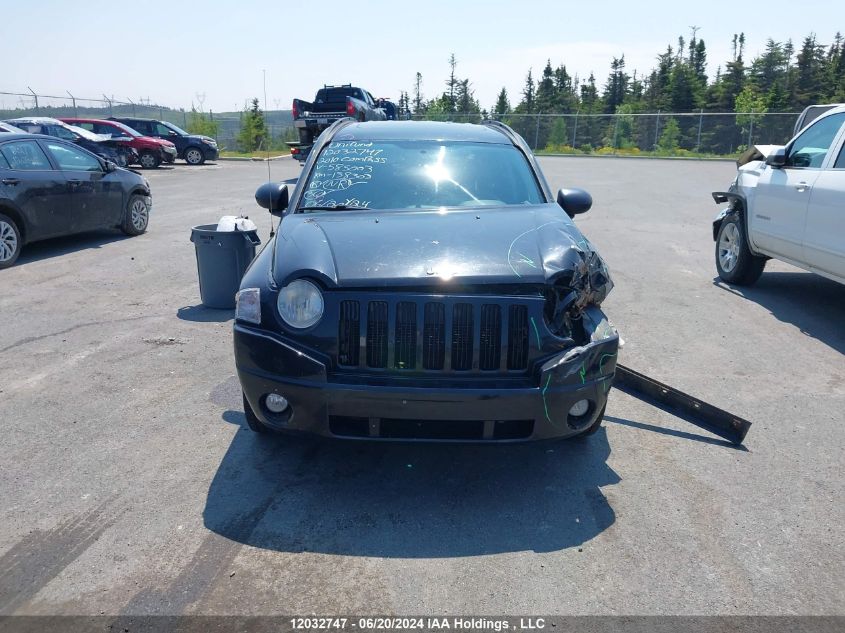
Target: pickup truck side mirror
{"x": 273, "y": 196}
{"x": 574, "y": 201}
{"x": 777, "y": 158}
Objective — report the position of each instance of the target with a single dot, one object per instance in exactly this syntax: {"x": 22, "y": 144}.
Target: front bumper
{"x": 448, "y": 408}
{"x": 168, "y": 154}
{"x": 210, "y": 153}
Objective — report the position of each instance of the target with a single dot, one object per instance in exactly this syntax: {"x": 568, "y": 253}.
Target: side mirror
{"x": 777, "y": 158}
{"x": 109, "y": 166}
{"x": 574, "y": 201}
{"x": 273, "y": 196}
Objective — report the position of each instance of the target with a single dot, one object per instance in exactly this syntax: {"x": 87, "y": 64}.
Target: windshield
{"x": 419, "y": 175}
{"x": 127, "y": 131}
{"x": 336, "y": 95}
{"x": 176, "y": 129}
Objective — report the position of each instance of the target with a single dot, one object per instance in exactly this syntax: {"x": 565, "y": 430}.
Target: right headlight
{"x": 300, "y": 304}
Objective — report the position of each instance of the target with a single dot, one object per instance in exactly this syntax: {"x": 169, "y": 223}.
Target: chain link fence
{"x": 660, "y": 134}
{"x": 16, "y": 105}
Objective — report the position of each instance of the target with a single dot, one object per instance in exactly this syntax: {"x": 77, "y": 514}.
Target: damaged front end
{"x": 578, "y": 282}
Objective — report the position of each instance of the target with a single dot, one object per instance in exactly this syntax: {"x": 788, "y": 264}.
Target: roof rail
{"x": 340, "y": 86}
{"x": 503, "y": 128}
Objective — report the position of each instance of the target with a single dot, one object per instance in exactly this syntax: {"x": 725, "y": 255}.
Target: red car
{"x": 151, "y": 151}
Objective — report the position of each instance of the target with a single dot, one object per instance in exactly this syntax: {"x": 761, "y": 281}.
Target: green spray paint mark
{"x": 545, "y": 404}
{"x": 601, "y": 361}
{"x": 537, "y": 332}
{"x": 583, "y": 374}
{"x": 526, "y": 260}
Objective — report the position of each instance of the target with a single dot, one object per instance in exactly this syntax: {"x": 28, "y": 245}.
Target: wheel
{"x": 137, "y": 216}
{"x": 10, "y": 241}
{"x": 194, "y": 156}
{"x": 735, "y": 263}
{"x": 252, "y": 420}
{"x": 149, "y": 160}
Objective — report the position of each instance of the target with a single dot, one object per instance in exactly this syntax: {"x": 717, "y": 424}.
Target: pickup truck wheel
{"x": 149, "y": 160}
{"x": 735, "y": 263}
{"x": 194, "y": 156}
{"x": 10, "y": 241}
{"x": 136, "y": 216}
{"x": 252, "y": 420}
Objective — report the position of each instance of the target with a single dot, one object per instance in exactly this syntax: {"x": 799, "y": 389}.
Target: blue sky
{"x": 173, "y": 51}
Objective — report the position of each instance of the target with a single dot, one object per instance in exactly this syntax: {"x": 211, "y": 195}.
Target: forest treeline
{"x": 780, "y": 79}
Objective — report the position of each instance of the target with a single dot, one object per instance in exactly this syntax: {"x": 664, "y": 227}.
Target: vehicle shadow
{"x": 812, "y": 303}
{"x": 57, "y": 246}
{"x": 201, "y": 314}
{"x": 408, "y": 500}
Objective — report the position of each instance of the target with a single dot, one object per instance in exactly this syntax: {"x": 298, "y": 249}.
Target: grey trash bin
{"x": 222, "y": 259}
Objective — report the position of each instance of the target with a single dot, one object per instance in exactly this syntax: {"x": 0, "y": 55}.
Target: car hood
{"x": 371, "y": 249}
{"x": 755, "y": 153}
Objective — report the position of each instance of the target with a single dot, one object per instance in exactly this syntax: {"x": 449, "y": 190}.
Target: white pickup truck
{"x": 787, "y": 203}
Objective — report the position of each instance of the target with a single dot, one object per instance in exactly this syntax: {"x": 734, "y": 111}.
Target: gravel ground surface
{"x": 130, "y": 485}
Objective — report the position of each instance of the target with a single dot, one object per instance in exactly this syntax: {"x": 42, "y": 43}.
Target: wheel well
{"x": 736, "y": 206}
{"x": 18, "y": 219}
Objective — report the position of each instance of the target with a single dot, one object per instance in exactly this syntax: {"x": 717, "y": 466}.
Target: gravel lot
{"x": 129, "y": 484}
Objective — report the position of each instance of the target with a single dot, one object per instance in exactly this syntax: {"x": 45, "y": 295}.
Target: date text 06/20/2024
{"x": 375, "y": 623}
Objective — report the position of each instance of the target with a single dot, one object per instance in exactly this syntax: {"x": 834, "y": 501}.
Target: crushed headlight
{"x": 604, "y": 330}
{"x": 300, "y": 304}
{"x": 248, "y": 305}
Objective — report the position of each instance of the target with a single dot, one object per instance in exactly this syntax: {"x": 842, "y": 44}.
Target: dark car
{"x": 425, "y": 284}
{"x": 194, "y": 149}
{"x": 49, "y": 187}
{"x": 107, "y": 147}
{"x": 151, "y": 151}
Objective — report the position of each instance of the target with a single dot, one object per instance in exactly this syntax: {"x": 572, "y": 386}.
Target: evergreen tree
{"x": 253, "y": 134}
{"x": 502, "y": 106}
{"x": 617, "y": 85}
{"x": 418, "y": 97}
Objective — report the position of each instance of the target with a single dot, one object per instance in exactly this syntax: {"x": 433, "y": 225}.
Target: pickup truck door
{"x": 824, "y": 236}
{"x": 778, "y": 212}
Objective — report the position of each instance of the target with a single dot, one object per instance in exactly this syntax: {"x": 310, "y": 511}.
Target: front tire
{"x": 735, "y": 262}
{"x": 136, "y": 216}
{"x": 255, "y": 425}
{"x": 10, "y": 241}
{"x": 194, "y": 156}
{"x": 149, "y": 160}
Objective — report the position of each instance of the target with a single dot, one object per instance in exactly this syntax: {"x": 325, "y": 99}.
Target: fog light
{"x": 275, "y": 403}
{"x": 579, "y": 408}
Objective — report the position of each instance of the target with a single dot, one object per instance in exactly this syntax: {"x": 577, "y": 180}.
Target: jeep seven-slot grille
{"x": 517, "y": 337}
{"x": 434, "y": 336}
{"x": 377, "y": 334}
{"x": 421, "y": 334}
{"x": 405, "y": 351}
{"x": 462, "y": 336}
{"x": 349, "y": 334}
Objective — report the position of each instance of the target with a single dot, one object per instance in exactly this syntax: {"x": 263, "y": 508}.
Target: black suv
{"x": 195, "y": 149}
